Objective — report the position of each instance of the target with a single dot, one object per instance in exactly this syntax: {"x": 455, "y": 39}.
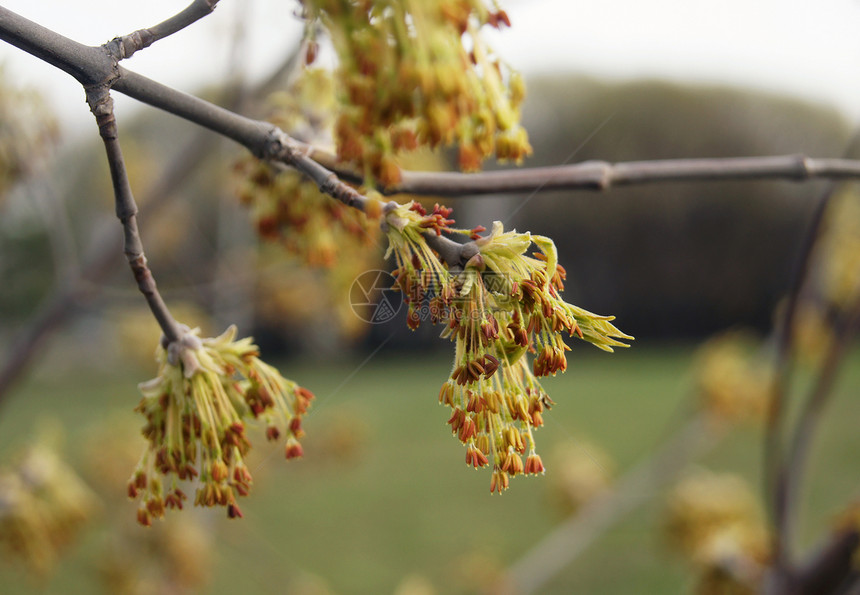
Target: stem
{"x": 253, "y": 134}
{"x": 101, "y": 105}
{"x": 282, "y": 148}
{"x": 453, "y": 253}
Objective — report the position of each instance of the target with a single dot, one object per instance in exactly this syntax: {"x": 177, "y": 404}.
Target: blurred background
{"x": 382, "y": 503}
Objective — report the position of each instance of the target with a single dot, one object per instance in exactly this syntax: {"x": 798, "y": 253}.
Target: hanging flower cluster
{"x": 196, "y": 411}
{"x": 418, "y": 72}
{"x": 419, "y": 273}
{"x": 288, "y": 208}
{"x": 502, "y": 305}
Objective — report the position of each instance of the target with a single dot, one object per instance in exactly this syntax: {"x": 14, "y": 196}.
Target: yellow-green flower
{"x": 708, "y": 513}
{"x": 731, "y": 377}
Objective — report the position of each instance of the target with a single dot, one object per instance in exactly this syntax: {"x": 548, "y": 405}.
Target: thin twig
{"x": 100, "y": 257}
{"x": 100, "y": 260}
{"x": 126, "y": 45}
{"x": 101, "y": 105}
{"x": 284, "y": 149}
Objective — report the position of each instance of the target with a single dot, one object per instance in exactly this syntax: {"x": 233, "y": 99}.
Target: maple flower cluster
{"x": 196, "y": 411}
{"x": 500, "y": 306}
{"x": 418, "y": 72}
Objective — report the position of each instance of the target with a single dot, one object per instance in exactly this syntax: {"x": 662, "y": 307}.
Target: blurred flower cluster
{"x": 581, "y": 472}
{"x": 502, "y": 304}
{"x": 174, "y": 558}
{"x": 289, "y": 211}
{"x": 27, "y": 130}
{"x": 196, "y": 411}
{"x": 289, "y": 208}
{"x": 43, "y": 506}
{"x": 839, "y": 250}
{"x": 418, "y": 72}
{"x": 833, "y": 287}
{"x": 732, "y": 377}
{"x": 713, "y": 520}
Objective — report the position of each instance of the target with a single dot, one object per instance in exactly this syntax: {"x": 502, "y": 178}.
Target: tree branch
{"x": 87, "y": 65}
{"x": 93, "y": 65}
{"x": 125, "y": 46}
{"x": 792, "y": 468}
{"x": 602, "y": 175}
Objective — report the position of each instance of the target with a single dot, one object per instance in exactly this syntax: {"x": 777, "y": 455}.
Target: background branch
{"x": 832, "y": 565}
{"x": 773, "y": 440}
{"x": 792, "y": 468}
{"x": 571, "y": 538}
{"x": 777, "y": 468}
{"x": 270, "y": 142}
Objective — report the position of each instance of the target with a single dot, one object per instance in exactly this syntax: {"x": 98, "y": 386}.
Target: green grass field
{"x": 383, "y": 494}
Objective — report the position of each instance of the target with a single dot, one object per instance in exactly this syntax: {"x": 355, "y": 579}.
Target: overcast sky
{"x": 799, "y": 47}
